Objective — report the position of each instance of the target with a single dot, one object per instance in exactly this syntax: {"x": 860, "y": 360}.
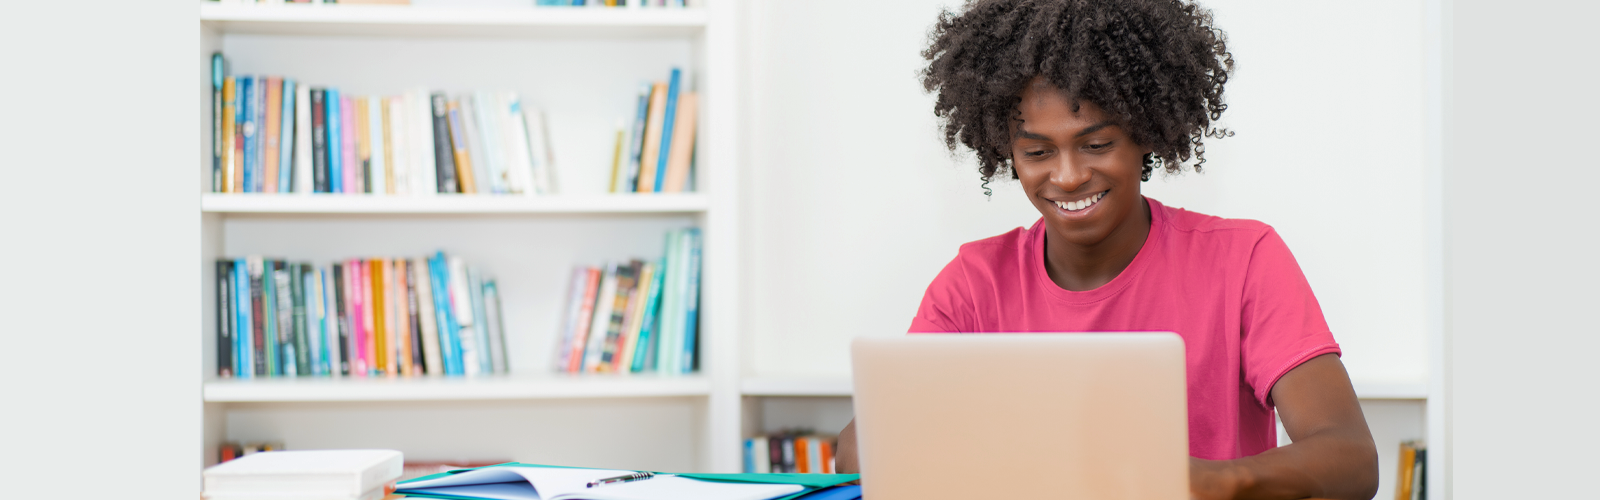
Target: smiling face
{"x": 1082, "y": 171}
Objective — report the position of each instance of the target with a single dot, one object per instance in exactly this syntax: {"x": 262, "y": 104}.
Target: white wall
{"x": 1520, "y": 242}
{"x": 854, "y": 205}
{"x": 97, "y": 234}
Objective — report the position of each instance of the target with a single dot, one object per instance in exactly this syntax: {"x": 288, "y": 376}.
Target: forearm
{"x": 1330, "y": 465}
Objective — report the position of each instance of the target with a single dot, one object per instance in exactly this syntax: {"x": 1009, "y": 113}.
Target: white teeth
{"x": 1073, "y": 206}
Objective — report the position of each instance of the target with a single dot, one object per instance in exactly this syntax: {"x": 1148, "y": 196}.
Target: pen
{"x": 637, "y": 476}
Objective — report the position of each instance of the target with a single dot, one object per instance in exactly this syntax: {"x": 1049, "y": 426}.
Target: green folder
{"x": 811, "y": 482}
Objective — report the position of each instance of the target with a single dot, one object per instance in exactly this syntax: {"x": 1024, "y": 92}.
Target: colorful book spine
{"x": 286, "y": 121}
{"x": 243, "y": 364}
{"x": 247, "y": 128}
{"x": 271, "y": 127}
{"x": 218, "y": 73}
{"x": 224, "y": 318}
{"x": 351, "y": 161}
{"x": 669, "y": 117}
{"x": 334, "y": 142}
{"x": 691, "y": 300}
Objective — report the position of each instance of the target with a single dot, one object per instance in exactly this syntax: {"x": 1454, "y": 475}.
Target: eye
{"x": 1097, "y": 147}
{"x": 1035, "y": 153}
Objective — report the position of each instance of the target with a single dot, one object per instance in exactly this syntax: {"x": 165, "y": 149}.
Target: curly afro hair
{"x": 1156, "y": 67}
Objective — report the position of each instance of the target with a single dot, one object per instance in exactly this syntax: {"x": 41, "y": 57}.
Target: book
{"x": 224, "y": 318}
{"x": 230, "y": 109}
{"x": 341, "y": 287}
{"x": 286, "y": 122}
{"x": 270, "y": 129}
{"x": 519, "y": 159}
{"x": 419, "y": 120}
{"x": 319, "y": 142}
{"x": 630, "y": 339}
{"x": 300, "y": 149}
{"x": 649, "y": 156}
{"x": 580, "y": 330}
{"x": 682, "y": 150}
{"x": 544, "y": 166}
{"x": 481, "y": 326}
{"x": 521, "y": 481}
{"x": 432, "y": 363}
{"x": 443, "y": 150}
{"x": 636, "y": 136}
{"x": 350, "y": 163}
{"x": 624, "y": 285}
{"x": 396, "y": 146}
{"x": 375, "y": 147}
{"x": 569, "y": 321}
{"x": 497, "y": 327}
{"x": 482, "y": 180}
{"x": 218, "y": 73}
{"x": 669, "y": 119}
{"x": 691, "y": 299}
{"x": 486, "y": 127}
{"x": 402, "y": 301}
{"x": 604, "y": 302}
{"x": 351, "y": 473}
{"x": 334, "y": 142}
{"x": 459, "y": 142}
{"x": 299, "y": 275}
{"x": 247, "y": 131}
{"x": 645, "y": 353}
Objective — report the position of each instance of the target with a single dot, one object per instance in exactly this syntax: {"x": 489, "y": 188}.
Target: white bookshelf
{"x": 410, "y": 22}
{"x": 581, "y": 67}
{"x": 321, "y": 204}
{"x": 513, "y": 387}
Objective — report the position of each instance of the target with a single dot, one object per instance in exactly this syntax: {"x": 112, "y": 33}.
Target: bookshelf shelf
{"x": 451, "y": 389}
{"x": 546, "y": 22}
{"x": 453, "y": 204}
{"x": 840, "y": 387}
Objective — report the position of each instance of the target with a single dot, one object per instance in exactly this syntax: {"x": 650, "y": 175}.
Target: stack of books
{"x": 360, "y": 317}
{"x": 655, "y": 153}
{"x": 305, "y": 475}
{"x": 635, "y": 316}
{"x": 275, "y": 135}
{"x": 791, "y": 451}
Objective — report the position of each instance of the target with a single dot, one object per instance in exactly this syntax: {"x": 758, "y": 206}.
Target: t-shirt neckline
{"x": 1117, "y": 284}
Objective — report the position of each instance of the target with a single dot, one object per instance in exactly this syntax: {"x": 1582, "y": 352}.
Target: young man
{"x": 1081, "y": 101}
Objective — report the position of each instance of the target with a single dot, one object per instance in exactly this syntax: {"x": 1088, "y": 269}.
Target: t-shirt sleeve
{"x": 1281, "y": 324}
{"x": 946, "y": 305}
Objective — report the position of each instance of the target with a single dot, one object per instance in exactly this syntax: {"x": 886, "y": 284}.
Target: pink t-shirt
{"x": 1229, "y": 287}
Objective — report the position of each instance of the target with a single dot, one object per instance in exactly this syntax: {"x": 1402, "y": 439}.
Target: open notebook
{"x": 527, "y": 482}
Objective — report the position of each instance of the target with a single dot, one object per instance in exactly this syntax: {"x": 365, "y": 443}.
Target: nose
{"x": 1069, "y": 175}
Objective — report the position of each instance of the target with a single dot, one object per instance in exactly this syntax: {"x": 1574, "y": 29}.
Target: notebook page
{"x": 682, "y": 488}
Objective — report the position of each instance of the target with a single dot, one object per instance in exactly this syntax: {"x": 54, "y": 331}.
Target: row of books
{"x": 635, "y": 316}
{"x": 1411, "y": 482}
{"x": 790, "y": 451}
{"x": 655, "y": 153}
{"x": 276, "y": 135}
{"x": 360, "y": 317}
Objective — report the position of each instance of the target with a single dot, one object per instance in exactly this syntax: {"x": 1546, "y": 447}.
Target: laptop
{"x": 1035, "y": 415}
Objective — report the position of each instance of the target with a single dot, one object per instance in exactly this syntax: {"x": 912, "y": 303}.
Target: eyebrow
{"x": 1023, "y": 133}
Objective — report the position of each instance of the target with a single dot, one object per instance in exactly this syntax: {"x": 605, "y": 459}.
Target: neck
{"x": 1086, "y": 267}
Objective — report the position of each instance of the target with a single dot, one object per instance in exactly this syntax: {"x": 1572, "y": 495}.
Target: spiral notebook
{"x": 516, "y": 481}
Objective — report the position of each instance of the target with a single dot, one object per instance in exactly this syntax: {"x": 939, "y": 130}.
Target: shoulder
{"x": 1197, "y": 231}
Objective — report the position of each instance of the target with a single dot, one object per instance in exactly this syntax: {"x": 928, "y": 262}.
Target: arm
{"x": 1332, "y": 455}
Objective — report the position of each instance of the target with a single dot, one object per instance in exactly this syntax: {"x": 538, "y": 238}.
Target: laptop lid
{"x": 1035, "y": 415}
